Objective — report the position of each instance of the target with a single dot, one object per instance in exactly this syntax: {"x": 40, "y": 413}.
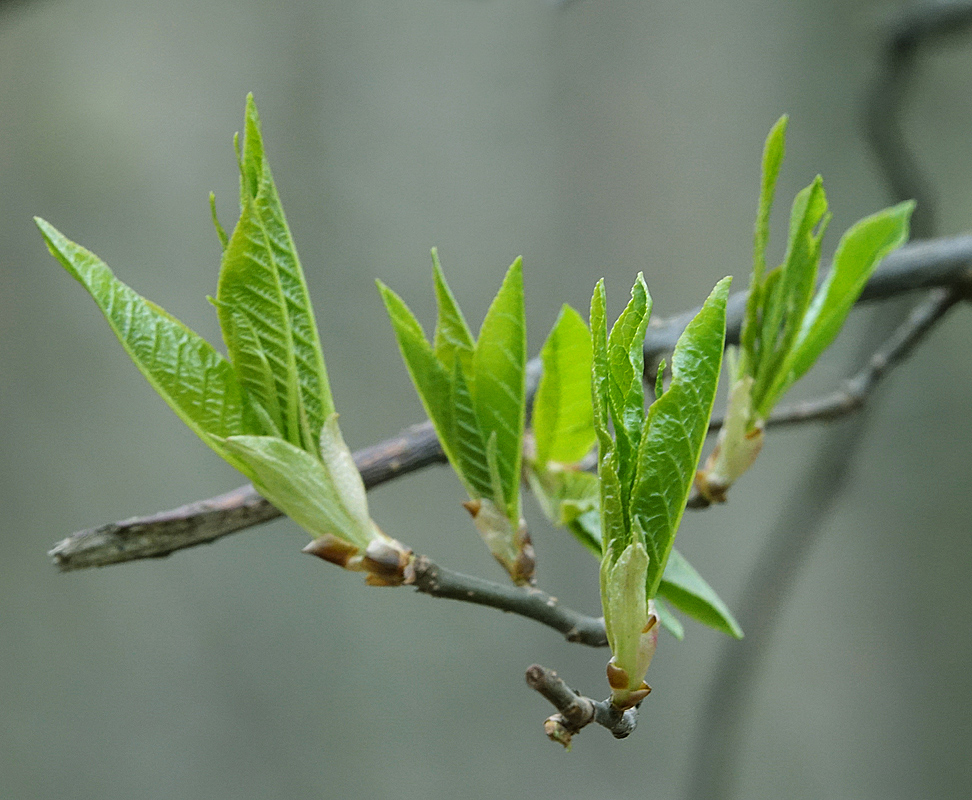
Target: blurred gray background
{"x": 598, "y": 139}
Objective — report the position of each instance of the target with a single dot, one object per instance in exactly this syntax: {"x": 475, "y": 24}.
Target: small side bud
{"x": 332, "y": 549}
{"x": 556, "y": 731}
{"x": 510, "y": 546}
{"x": 386, "y": 561}
{"x": 739, "y": 442}
{"x": 617, "y": 677}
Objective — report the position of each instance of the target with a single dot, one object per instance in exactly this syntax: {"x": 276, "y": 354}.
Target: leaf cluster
{"x": 267, "y": 408}
{"x": 646, "y": 463}
{"x": 563, "y": 434}
{"x": 789, "y": 321}
{"x": 474, "y": 392}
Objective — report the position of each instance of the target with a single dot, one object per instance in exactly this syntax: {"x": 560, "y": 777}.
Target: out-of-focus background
{"x": 597, "y": 139}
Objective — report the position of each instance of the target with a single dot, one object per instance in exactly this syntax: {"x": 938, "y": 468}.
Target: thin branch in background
{"x": 915, "y": 266}
{"x": 719, "y": 741}
{"x": 574, "y": 710}
{"x": 921, "y": 25}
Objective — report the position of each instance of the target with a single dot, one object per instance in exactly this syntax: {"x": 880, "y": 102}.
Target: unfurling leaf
{"x": 784, "y": 331}
{"x": 859, "y": 252}
{"x": 264, "y": 308}
{"x": 268, "y": 409}
{"x": 196, "y": 381}
{"x": 563, "y": 415}
{"x": 675, "y": 429}
{"x": 644, "y": 491}
{"x": 474, "y": 392}
{"x": 499, "y": 383}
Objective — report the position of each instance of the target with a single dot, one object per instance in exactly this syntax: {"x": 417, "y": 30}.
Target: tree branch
{"x": 435, "y": 581}
{"x": 205, "y": 521}
{"x": 575, "y": 711}
{"x": 917, "y": 265}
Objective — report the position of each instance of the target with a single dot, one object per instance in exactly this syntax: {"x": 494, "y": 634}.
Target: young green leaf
{"x": 261, "y": 280}
{"x": 688, "y": 591}
{"x": 196, "y": 381}
{"x": 615, "y": 527}
{"x": 859, "y": 252}
{"x": 499, "y": 382}
{"x": 255, "y": 371}
{"x": 432, "y": 381}
{"x": 787, "y": 302}
{"x": 453, "y": 340}
{"x": 471, "y": 451}
{"x": 600, "y": 372}
{"x": 626, "y": 398}
{"x": 674, "y": 430}
{"x": 563, "y": 414}
{"x": 773, "y": 153}
{"x": 323, "y": 497}
{"x": 475, "y": 395}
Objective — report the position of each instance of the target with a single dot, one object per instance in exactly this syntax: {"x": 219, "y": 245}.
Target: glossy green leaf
{"x": 320, "y": 496}
{"x": 626, "y": 397}
{"x": 262, "y": 280}
{"x": 685, "y": 589}
{"x": 196, "y": 381}
{"x": 472, "y": 464}
{"x": 615, "y": 530}
{"x": 432, "y": 382}
{"x": 787, "y": 303}
{"x": 499, "y": 382}
{"x": 859, "y": 252}
{"x": 600, "y": 372}
{"x": 773, "y": 152}
{"x": 675, "y": 429}
{"x": 563, "y": 414}
{"x": 452, "y": 340}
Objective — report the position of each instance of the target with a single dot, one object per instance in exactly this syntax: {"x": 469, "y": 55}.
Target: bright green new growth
{"x": 563, "y": 435}
{"x": 563, "y": 432}
{"x": 474, "y": 392}
{"x": 646, "y": 468}
{"x": 787, "y": 324}
{"x": 265, "y": 311}
{"x": 689, "y": 592}
{"x": 784, "y": 331}
{"x": 267, "y": 410}
{"x": 199, "y": 385}
{"x": 563, "y": 413}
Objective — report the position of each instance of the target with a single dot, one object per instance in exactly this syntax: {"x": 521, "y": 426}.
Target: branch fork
{"x": 575, "y": 711}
